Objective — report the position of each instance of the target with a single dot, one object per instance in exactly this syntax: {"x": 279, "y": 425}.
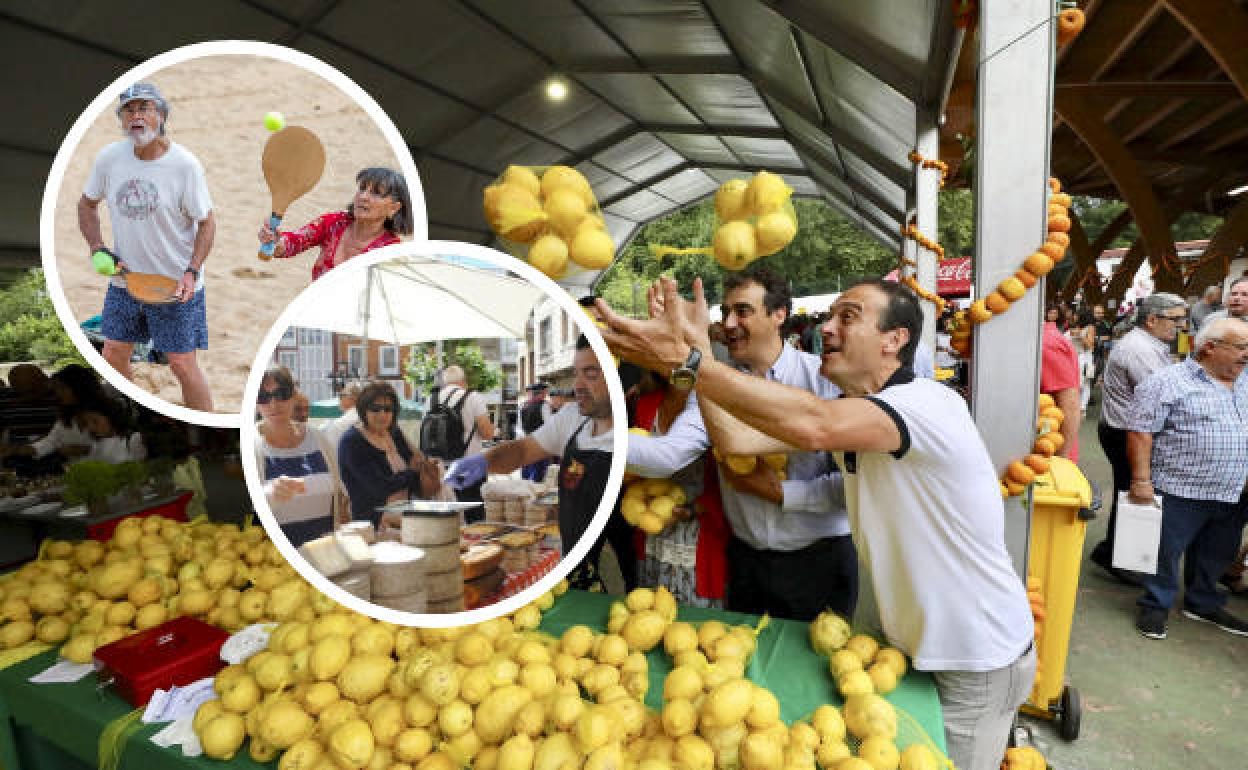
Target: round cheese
{"x": 397, "y": 569}
{"x": 413, "y": 602}
{"x": 445, "y": 585}
{"x": 444, "y": 606}
{"x": 357, "y": 584}
{"x": 430, "y": 530}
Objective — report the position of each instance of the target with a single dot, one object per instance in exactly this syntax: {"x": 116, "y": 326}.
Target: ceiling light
{"x": 1243, "y": 188}
{"x": 556, "y": 89}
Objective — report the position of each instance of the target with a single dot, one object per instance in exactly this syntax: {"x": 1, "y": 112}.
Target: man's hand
{"x": 662, "y": 342}
{"x": 186, "y": 288}
{"x": 762, "y": 482}
{"x": 284, "y": 488}
{"x": 467, "y": 471}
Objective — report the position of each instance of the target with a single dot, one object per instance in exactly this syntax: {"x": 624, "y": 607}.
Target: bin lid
{"x": 1063, "y": 485}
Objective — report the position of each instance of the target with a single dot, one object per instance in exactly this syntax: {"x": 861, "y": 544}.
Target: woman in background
{"x": 377, "y": 464}
{"x": 298, "y": 480}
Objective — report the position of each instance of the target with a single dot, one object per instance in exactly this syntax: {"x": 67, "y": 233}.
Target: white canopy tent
{"x": 423, "y": 299}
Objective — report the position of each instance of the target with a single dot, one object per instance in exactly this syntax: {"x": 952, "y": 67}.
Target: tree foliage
{"x": 29, "y": 327}
{"x": 1095, "y": 214}
{"x": 828, "y": 252}
{"x": 480, "y": 375}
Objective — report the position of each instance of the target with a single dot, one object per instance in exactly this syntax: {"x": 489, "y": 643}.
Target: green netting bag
{"x": 756, "y": 219}
{"x": 549, "y": 216}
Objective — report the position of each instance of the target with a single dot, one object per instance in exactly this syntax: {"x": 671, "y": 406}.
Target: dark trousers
{"x": 794, "y": 584}
{"x": 1209, "y": 531}
{"x": 619, "y": 534}
{"x": 1114, "y": 443}
{"x": 471, "y": 495}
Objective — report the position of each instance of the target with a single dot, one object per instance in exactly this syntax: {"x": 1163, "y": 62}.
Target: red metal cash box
{"x": 177, "y": 652}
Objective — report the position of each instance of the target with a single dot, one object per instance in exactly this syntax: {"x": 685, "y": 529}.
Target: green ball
{"x": 274, "y": 121}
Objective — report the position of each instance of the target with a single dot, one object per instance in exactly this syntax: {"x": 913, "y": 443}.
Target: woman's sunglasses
{"x": 277, "y": 394}
{"x": 381, "y": 408}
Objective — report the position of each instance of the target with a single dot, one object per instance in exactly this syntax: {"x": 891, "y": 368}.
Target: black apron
{"x": 582, "y": 483}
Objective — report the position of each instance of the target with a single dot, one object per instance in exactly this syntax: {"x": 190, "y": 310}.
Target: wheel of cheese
{"x": 440, "y": 558}
{"x": 397, "y": 569}
{"x": 357, "y": 584}
{"x": 444, "y": 585}
{"x": 417, "y": 601}
{"x": 429, "y": 529}
{"x": 445, "y": 606}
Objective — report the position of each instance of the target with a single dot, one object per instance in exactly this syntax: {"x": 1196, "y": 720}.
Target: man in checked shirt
{"x": 1188, "y": 438}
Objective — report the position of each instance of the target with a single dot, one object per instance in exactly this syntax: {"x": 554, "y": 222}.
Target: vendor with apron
{"x": 585, "y": 438}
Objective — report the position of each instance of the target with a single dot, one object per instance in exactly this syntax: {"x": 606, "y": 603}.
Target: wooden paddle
{"x": 293, "y": 162}
{"x": 150, "y": 288}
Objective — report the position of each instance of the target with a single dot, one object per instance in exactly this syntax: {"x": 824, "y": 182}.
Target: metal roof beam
{"x": 1139, "y": 89}
{"x": 820, "y": 159}
{"x": 895, "y": 169}
{"x": 682, "y": 65}
{"x": 858, "y": 50}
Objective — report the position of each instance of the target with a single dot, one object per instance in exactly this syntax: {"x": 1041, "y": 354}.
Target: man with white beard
{"x": 162, "y": 223}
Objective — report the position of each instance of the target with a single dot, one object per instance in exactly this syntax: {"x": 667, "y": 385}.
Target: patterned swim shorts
{"x": 176, "y": 327}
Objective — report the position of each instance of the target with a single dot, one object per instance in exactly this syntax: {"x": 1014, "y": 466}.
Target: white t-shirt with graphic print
{"x": 154, "y": 207}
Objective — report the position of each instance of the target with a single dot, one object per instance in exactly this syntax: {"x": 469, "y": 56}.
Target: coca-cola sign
{"x": 953, "y": 277}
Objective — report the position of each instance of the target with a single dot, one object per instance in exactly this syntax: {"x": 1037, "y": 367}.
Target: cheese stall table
{"x": 783, "y": 663}
{"x": 54, "y": 726}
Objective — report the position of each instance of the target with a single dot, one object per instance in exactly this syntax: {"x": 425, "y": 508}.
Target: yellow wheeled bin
{"x": 1062, "y": 506}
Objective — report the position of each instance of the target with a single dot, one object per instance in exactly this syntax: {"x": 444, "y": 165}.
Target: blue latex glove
{"x": 467, "y": 471}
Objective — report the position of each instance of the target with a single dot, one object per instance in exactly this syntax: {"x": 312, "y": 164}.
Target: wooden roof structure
{"x": 1151, "y": 107}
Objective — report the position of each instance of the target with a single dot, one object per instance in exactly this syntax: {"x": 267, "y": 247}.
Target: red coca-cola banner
{"x": 953, "y": 277}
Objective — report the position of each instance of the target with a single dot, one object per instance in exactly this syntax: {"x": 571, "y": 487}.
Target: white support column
{"x": 1014, "y": 125}
{"x": 927, "y": 218}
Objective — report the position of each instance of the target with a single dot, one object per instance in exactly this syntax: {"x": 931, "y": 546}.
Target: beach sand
{"x": 217, "y": 107}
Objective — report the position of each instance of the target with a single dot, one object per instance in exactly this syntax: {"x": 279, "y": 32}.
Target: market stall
{"x": 435, "y": 563}
{"x": 44, "y": 726}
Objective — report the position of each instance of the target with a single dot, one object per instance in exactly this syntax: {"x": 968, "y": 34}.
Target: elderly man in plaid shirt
{"x": 1188, "y": 438}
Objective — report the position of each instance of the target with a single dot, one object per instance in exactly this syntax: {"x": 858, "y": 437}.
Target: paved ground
{"x": 1151, "y": 705}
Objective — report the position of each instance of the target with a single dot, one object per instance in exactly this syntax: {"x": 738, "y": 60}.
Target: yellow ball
{"x": 274, "y": 121}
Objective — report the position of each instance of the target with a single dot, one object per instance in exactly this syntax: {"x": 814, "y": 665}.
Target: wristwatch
{"x": 685, "y": 376}
{"x": 194, "y": 273}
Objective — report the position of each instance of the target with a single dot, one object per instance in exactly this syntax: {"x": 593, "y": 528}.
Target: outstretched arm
{"x": 796, "y": 417}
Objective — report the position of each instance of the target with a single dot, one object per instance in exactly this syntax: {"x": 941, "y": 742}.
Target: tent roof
{"x": 667, "y": 98}
{"x": 416, "y": 299}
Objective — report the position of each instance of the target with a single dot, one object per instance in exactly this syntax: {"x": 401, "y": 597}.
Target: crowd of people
{"x": 872, "y": 448}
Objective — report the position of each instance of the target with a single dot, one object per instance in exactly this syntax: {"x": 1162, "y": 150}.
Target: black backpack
{"x": 442, "y": 430}
{"x": 531, "y": 417}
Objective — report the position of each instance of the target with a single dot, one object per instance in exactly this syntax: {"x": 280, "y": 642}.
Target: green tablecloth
{"x": 55, "y": 726}
{"x": 783, "y": 663}
{"x": 58, "y": 726}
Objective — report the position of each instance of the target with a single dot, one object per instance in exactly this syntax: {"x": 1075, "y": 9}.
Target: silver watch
{"x": 685, "y": 376}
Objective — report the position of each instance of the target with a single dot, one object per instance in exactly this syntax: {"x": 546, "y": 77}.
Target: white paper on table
{"x": 1137, "y": 535}
{"x": 180, "y": 733}
{"x": 62, "y": 672}
{"x": 246, "y": 642}
{"x": 178, "y": 702}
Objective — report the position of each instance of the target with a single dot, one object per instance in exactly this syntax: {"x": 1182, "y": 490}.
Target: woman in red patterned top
{"x": 379, "y": 213}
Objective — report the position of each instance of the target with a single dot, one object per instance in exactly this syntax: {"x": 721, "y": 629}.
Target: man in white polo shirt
{"x": 922, "y": 494}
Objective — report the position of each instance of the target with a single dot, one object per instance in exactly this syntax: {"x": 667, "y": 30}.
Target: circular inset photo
{"x": 198, "y": 195}
{"x": 430, "y": 435}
